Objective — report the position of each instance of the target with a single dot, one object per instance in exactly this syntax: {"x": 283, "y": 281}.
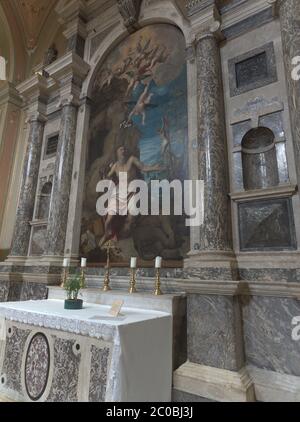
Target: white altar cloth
{"x": 141, "y": 363}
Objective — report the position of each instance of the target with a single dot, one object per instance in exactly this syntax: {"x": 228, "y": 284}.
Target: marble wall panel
{"x": 33, "y": 291}
{"x": 98, "y": 374}
{"x": 38, "y": 240}
{"x": 213, "y": 324}
{"x": 14, "y": 348}
{"x": 283, "y": 172}
{"x": 274, "y": 122}
{"x": 267, "y": 324}
{"x": 266, "y": 225}
{"x": 252, "y": 70}
{"x": 65, "y": 372}
{"x": 4, "y": 289}
{"x": 239, "y": 130}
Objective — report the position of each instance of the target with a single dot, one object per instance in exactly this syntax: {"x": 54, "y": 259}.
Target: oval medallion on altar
{"x": 37, "y": 366}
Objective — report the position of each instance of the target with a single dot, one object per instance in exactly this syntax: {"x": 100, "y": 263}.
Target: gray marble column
{"x": 58, "y": 217}
{"x": 215, "y": 235}
{"x": 289, "y": 12}
{"x": 21, "y": 237}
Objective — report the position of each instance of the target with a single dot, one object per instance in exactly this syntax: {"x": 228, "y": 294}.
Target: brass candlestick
{"x": 65, "y": 275}
{"x": 132, "y": 288}
{"x": 106, "y": 286}
{"x": 157, "y": 291}
{"x": 82, "y": 278}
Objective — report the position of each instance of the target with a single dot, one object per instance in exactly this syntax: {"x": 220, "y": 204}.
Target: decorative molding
{"x": 130, "y": 11}
{"x": 249, "y": 384}
{"x": 272, "y": 386}
{"x": 69, "y": 71}
{"x": 214, "y": 383}
{"x": 195, "y": 6}
{"x": 264, "y": 80}
{"x": 220, "y": 287}
{"x": 205, "y": 20}
{"x": 276, "y": 192}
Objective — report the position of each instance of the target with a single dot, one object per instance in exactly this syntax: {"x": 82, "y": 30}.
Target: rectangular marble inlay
{"x": 267, "y": 225}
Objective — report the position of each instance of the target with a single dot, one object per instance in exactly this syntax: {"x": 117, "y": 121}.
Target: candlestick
{"x": 157, "y": 291}
{"x": 106, "y": 286}
{"x": 82, "y": 278}
{"x": 132, "y": 288}
{"x": 158, "y": 260}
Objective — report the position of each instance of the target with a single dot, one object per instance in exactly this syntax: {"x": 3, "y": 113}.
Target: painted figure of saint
{"x": 118, "y": 205}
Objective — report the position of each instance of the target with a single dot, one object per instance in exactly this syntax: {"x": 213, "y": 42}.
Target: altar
{"x": 56, "y": 355}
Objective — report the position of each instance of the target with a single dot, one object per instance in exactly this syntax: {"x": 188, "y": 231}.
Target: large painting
{"x": 139, "y": 113}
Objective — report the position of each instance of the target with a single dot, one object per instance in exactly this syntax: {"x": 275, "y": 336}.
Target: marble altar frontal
{"x": 53, "y": 355}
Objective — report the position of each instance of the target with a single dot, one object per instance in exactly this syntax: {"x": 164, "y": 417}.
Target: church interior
{"x": 146, "y": 308}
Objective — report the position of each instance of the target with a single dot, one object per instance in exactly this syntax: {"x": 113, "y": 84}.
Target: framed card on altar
{"x": 116, "y": 308}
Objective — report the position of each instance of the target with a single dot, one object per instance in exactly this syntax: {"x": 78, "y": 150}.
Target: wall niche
{"x": 44, "y": 201}
{"x": 259, "y": 161}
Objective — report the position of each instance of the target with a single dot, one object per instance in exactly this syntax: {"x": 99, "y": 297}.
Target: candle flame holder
{"x": 157, "y": 290}
{"x": 132, "y": 288}
{"x": 82, "y": 278}
{"x": 106, "y": 286}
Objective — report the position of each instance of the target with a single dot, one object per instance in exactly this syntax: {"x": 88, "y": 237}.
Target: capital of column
{"x": 205, "y": 20}
{"x": 69, "y": 72}
{"x": 212, "y": 30}
{"x": 35, "y": 92}
{"x": 9, "y": 94}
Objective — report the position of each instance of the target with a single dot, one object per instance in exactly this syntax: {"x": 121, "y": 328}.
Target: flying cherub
{"x": 143, "y": 101}
{"x": 160, "y": 57}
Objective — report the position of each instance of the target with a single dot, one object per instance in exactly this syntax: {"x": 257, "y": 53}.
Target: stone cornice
{"x": 35, "y": 92}
{"x": 9, "y": 94}
{"x": 207, "y": 287}
{"x": 205, "y": 20}
{"x": 244, "y": 11}
{"x": 279, "y": 191}
{"x": 33, "y": 88}
{"x": 196, "y": 6}
{"x": 71, "y": 10}
{"x": 68, "y": 66}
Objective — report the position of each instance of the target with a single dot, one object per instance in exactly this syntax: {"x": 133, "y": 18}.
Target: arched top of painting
{"x": 155, "y": 51}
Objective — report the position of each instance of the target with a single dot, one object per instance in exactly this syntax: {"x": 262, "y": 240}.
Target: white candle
{"x": 133, "y": 262}
{"x": 66, "y": 263}
{"x": 158, "y": 260}
{"x": 83, "y": 262}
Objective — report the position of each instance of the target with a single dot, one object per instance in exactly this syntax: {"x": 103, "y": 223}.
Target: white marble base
{"x": 214, "y": 383}
{"x": 271, "y": 386}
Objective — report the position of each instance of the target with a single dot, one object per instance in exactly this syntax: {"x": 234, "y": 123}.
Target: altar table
{"x": 51, "y": 354}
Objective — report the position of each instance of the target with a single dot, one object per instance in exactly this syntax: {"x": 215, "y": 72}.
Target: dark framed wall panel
{"x": 267, "y": 225}
{"x": 252, "y": 70}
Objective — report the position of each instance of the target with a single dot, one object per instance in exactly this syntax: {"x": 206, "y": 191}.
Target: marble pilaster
{"x": 212, "y": 146}
{"x": 289, "y": 13}
{"x": 73, "y": 16}
{"x": 34, "y": 90}
{"x": 58, "y": 217}
{"x": 22, "y": 230}
{"x": 215, "y": 243}
{"x": 70, "y": 70}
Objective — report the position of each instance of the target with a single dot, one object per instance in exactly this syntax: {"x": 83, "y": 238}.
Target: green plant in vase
{"x": 72, "y": 287}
